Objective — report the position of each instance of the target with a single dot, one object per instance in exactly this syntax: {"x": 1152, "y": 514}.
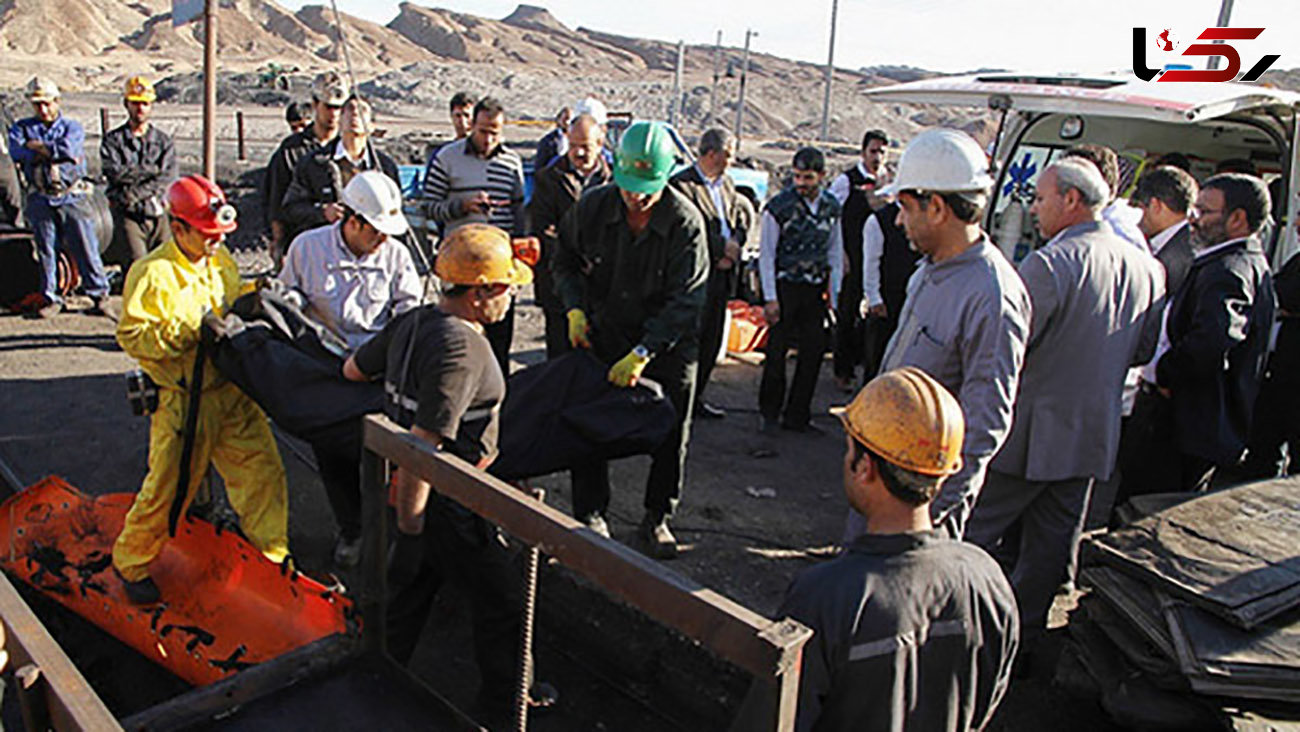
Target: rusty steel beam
{"x": 768, "y": 649}
{"x": 72, "y": 704}
{"x": 205, "y": 703}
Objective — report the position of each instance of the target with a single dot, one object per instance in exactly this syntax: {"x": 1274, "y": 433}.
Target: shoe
{"x": 597, "y": 524}
{"x": 140, "y": 592}
{"x": 347, "y": 552}
{"x": 50, "y": 310}
{"x": 709, "y": 411}
{"x": 768, "y": 425}
{"x": 806, "y": 428}
{"x": 103, "y": 306}
{"x": 658, "y": 538}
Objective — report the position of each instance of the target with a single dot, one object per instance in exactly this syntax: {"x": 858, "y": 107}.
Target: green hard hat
{"x": 646, "y": 156}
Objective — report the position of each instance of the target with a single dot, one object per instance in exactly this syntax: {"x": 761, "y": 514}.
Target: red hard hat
{"x": 201, "y": 203}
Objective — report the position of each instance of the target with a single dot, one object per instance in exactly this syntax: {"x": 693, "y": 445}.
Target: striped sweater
{"x": 457, "y": 173}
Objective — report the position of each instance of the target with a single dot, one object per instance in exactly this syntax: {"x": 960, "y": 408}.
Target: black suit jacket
{"x": 1176, "y": 256}
{"x": 317, "y": 181}
{"x": 1219, "y": 325}
{"x": 689, "y": 182}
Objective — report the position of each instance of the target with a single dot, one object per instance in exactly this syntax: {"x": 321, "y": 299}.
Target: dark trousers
{"x": 850, "y": 343}
{"x": 557, "y": 332}
{"x": 1149, "y": 458}
{"x": 802, "y": 322}
{"x": 461, "y": 547}
{"x": 876, "y": 335}
{"x": 135, "y": 237}
{"x": 500, "y": 335}
{"x": 1275, "y": 428}
{"x": 69, "y": 227}
{"x": 663, "y": 488}
{"x": 1051, "y": 516}
{"x": 712, "y": 322}
{"x": 340, "y": 472}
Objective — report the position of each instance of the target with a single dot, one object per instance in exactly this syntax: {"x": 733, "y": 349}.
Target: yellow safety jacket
{"x": 163, "y": 303}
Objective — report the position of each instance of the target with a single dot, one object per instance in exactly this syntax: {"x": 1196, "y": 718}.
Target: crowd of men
{"x": 1130, "y": 349}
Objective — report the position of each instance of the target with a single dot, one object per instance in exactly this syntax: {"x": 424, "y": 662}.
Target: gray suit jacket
{"x": 1097, "y": 302}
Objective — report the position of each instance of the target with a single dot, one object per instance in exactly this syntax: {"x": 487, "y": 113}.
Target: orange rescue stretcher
{"x": 225, "y": 606}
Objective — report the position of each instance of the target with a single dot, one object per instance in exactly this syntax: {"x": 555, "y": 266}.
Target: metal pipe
{"x": 830, "y": 72}
{"x": 675, "y": 112}
{"x": 744, "y": 72}
{"x": 713, "y": 92}
{"x": 239, "y": 130}
{"x": 526, "y": 624}
{"x": 210, "y": 90}
{"x": 1225, "y": 14}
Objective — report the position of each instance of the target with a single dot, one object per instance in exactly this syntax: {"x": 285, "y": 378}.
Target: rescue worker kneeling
{"x": 167, "y": 294}
{"x": 445, "y": 385}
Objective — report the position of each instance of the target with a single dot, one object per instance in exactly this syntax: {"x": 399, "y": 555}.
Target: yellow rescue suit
{"x": 163, "y": 303}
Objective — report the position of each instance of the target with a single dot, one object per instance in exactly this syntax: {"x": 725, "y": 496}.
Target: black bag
{"x": 292, "y": 367}
{"x": 20, "y": 270}
{"x": 564, "y": 412}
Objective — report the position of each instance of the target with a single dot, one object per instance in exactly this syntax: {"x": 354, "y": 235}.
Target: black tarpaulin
{"x": 1234, "y": 553}
{"x": 564, "y": 412}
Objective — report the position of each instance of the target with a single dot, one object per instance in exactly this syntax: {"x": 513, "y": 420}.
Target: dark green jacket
{"x": 648, "y": 290}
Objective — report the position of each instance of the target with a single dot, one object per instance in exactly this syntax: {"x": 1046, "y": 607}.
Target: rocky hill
{"x": 530, "y": 59}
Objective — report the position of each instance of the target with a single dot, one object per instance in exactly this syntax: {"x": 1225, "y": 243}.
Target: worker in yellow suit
{"x": 166, "y": 295}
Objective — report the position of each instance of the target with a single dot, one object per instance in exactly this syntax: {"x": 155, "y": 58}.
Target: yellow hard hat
{"x": 139, "y": 89}
{"x": 480, "y": 254}
{"x": 909, "y": 419}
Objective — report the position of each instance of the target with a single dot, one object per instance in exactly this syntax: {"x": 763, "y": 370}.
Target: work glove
{"x": 626, "y": 372}
{"x": 405, "y": 558}
{"x": 579, "y": 329}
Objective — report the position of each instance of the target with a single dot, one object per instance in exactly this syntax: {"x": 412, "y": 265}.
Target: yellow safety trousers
{"x": 235, "y": 437}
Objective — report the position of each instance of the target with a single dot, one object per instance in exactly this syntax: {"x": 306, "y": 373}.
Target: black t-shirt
{"x": 453, "y": 386}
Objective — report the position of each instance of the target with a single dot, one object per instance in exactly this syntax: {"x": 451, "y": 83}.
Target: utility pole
{"x": 744, "y": 72}
{"x": 675, "y": 111}
{"x": 830, "y": 72}
{"x": 713, "y": 93}
{"x": 1225, "y": 13}
{"x": 210, "y": 90}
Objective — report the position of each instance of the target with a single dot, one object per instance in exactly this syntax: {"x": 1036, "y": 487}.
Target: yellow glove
{"x": 579, "y": 329}
{"x": 626, "y": 372}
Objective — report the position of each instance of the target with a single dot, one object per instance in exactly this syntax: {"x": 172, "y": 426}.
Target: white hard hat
{"x": 41, "y": 89}
{"x": 377, "y": 199}
{"x": 593, "y": 108}
{"x": 943, "y": 161}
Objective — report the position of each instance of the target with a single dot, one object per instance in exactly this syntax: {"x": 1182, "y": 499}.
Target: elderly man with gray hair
{"x": 1096, "y": 306}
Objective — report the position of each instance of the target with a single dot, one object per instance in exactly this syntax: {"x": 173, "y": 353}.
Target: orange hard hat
{"x": 201, "y": 203}
{"x": 910, "y": 420}
{"x": 480, "y": 254}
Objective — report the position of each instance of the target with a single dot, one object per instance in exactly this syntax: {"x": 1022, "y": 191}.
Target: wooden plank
{"x": 208, "y": 702}
{"x": 73, "y": 704}
{"x": 730, "y": 630}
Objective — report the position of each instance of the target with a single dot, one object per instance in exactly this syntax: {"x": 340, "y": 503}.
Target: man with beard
{"x": 139, "y": 162}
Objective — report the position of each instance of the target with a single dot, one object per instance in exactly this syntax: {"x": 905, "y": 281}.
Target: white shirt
{"x": 715, "y": 192}
{"x": 840, "y": 187}
{"x": 873, "y": 249}
{"x": 341, "y": 153}
{"x": 770, "y": 234}
{"x": 353, "y": 296}
{"x": 1123, "y": 220}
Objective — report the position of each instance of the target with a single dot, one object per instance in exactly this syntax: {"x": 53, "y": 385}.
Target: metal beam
{"x": 73, "y": 705}
{"x": 768, "y": 649}
{"x": 206, "y": 703}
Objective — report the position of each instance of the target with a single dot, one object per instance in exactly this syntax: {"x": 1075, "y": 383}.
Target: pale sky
{"x": 941, "y": 35}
